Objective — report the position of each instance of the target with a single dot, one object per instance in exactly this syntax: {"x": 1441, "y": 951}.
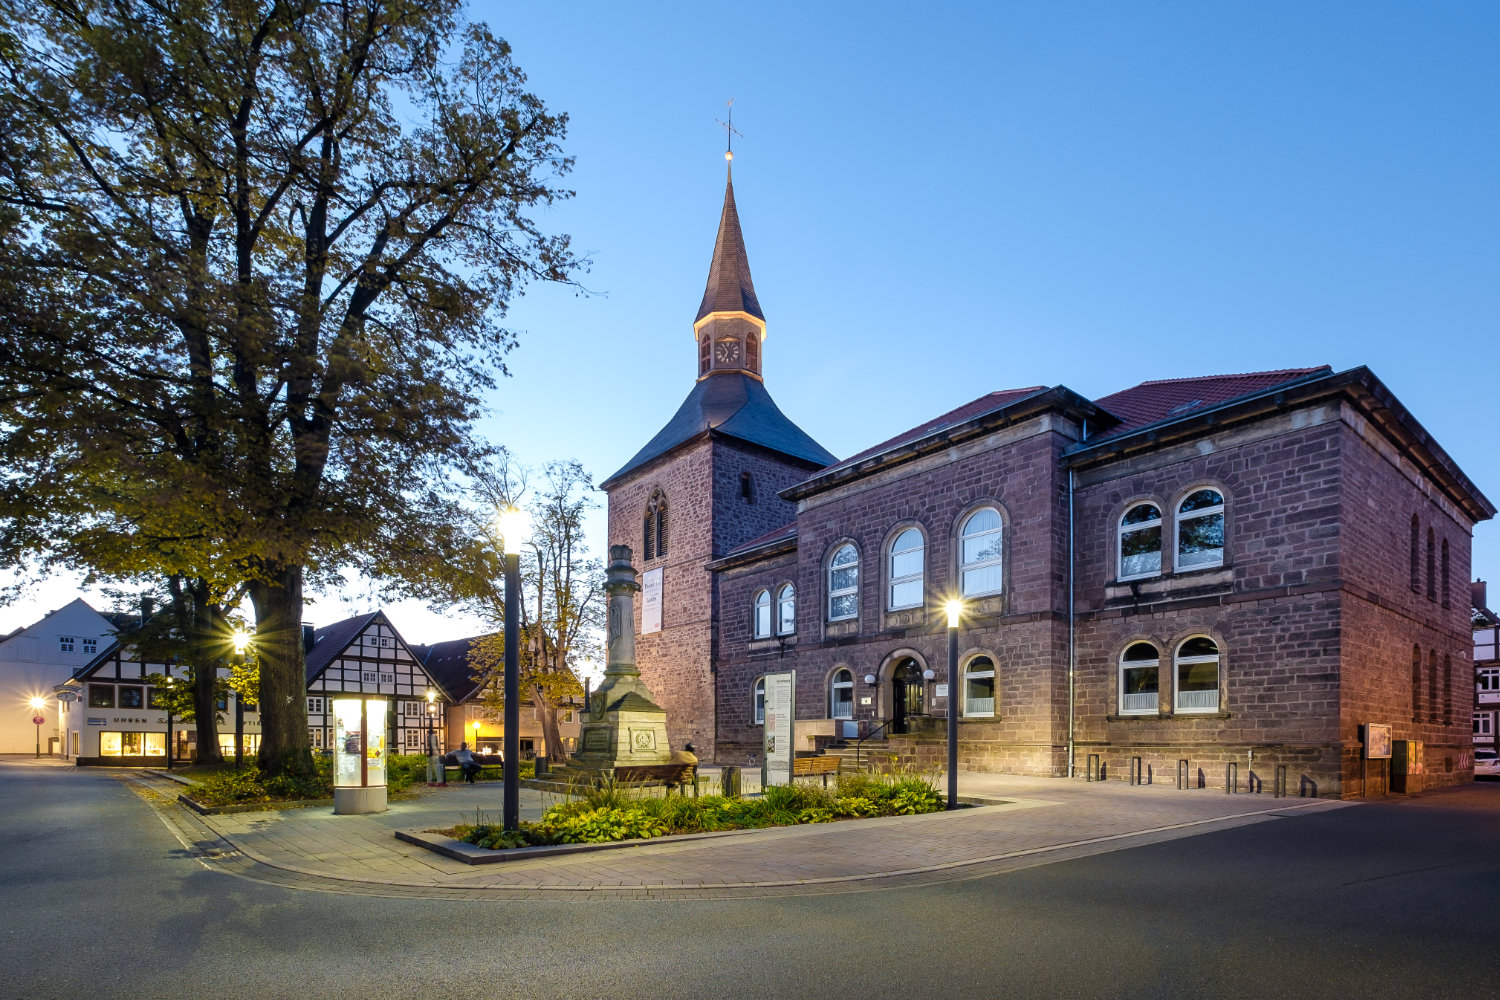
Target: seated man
{"x": 467, "y": 766}
{"x": 686, "y": 756}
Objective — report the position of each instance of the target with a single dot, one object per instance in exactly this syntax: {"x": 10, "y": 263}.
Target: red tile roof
{"x": 1161, "y": 399}
{"x": 974, "y": 408}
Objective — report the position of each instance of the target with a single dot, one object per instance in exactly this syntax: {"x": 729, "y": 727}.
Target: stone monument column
{"x": 622, "y": 723}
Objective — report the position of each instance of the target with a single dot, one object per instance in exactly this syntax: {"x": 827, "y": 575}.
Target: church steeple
{"x": 729, "y": 326}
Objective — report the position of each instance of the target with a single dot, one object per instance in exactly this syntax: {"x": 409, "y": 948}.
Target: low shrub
{"x": 607, "y": 812}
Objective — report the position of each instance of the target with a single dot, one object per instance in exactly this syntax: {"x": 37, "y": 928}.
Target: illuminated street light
{"x": 514, "y": 525}
{"x": 955, "y": 610}
{"x": 37, "y": 704}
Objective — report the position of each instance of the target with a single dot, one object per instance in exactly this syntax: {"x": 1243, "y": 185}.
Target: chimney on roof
{"x": 308, "y": 637}
{"x": 1477, "y": 594}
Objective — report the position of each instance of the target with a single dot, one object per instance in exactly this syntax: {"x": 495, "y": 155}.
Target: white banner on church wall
{"x": 781, "y": 709}
{"x": 651, "y": 601}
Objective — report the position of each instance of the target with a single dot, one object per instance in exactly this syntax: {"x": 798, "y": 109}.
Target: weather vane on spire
{"x": 729, "y": 130}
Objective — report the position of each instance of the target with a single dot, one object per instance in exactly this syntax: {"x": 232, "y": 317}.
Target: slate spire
{"x": 729, "y": 286}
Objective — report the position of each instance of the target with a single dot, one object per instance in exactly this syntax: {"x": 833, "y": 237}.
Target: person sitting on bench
{"x": 466, "y": 764}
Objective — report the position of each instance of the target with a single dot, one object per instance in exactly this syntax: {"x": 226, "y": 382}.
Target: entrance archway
{"x": 907, "y": 694}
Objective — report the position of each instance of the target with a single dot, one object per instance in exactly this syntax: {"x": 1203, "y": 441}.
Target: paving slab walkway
{"x": 1039, "y": 820}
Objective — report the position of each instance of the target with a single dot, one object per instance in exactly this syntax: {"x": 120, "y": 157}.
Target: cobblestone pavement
{"x": 1039, "y": 821}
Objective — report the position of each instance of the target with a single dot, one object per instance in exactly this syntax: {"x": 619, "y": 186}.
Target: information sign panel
{"x": 781, "y": 697}
{"x": 651, "y": 601}
{"x": 1377, "y": 740}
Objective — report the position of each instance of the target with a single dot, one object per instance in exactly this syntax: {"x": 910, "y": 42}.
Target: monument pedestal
{"x": 622, "y": 725}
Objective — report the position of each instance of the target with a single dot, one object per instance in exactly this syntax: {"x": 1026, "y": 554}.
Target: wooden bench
{"x": 672, "y": 775}
{"x": 492, "y": 772}
{"x": 813, "y": 766}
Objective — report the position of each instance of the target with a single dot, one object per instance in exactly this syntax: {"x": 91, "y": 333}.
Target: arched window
{"x": 762, "y": 614}
{"x": 1197, "y": 676}
{"x": 841, "y": 695}
{"x": 1446, "y": 573}
{"x": 1200, "y": 530}
{"x": 1140, "y": 680}
{"x": 1140, "y": 541}
{"x": 979, "y": 688}
{"x": 752, "y": 351}
{"x": 786, "y": 610}
{"x": 1447, "y": 690}
{"x": 979, "y": 553}
{"x": 758, "y": 702}
{"x": 843, "y": 584}
{"x": 1416, "y": 683}
{"x": 655, "y": 540}
{"x": 1432, "y": 690}
{"x": 1416, "y": 553}
{"x": 1431, "y": 565}
{"x": 905, "y": 570}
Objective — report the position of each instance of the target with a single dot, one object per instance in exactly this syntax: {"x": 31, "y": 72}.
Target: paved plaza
{"x": 1031, "y": 821}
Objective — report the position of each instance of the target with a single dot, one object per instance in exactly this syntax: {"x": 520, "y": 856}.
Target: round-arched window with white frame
{"x": 1197, "y": 687}
{"x": 979, "y": 688}
{"x": 980, "y": 542}
{"x": 1140, "y": 542}
{"x": 843, "y": 583}
{"x": 786, "y": 610}
{"x": 905, "y": 570}
{"x": 1140, "y": 679}
{"x": 762, "y": 614}
{"x": 1200, "y": 530}
{"x": 841, "y": 695}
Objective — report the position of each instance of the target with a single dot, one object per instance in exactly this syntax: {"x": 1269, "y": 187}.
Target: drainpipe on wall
{"x": 1072, "y": 655}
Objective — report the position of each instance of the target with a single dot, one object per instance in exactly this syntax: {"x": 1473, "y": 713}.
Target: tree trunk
{"x": 283, "y": 673}
{"x": 547, "y": 715}
{"x": 205, "y": 673}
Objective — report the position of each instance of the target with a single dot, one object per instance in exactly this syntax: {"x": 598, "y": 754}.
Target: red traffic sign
{"x": 37, "y": 720}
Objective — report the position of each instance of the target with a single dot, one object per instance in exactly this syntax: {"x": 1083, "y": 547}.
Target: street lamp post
{"x": 37, "y": 705}
{"x": 435, "y": 772}
{"x": 513, "y": 527}
{"x": 241, "y": 643}
{"x": 955, "y": 609}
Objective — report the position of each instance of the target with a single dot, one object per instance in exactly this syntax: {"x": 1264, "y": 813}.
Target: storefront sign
{"x": 651, "y": 601}
{"x": 781, "y": 690}
{"x": 96, "y": 722}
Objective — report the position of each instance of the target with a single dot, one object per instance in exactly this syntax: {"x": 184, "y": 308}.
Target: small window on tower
{"x": 752, "y": 352}
{"x": 747, "y": 487}
{"x": 704, "y": 347}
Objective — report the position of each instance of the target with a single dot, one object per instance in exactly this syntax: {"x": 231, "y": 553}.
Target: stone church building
{"x": 1239, "y": 569}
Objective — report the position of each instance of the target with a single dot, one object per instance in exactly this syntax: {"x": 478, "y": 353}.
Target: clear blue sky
{"x": 943, "y": 201}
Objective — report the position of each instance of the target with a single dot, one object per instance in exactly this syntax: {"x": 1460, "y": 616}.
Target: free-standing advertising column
{"x": 358, "y": 755}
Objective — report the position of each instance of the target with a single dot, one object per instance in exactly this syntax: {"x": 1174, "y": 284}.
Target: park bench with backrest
{"x": 671, "y": 775}
{"x": 803, "y": 767}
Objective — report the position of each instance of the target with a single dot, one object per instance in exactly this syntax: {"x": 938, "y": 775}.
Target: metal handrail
{"x": 859, "y": 743}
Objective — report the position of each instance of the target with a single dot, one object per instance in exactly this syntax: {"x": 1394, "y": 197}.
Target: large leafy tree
{"x": 254, "y": 257}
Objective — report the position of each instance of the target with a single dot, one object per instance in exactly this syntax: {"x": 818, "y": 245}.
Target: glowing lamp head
{"x": 513, "y": 524}
{"x": 954, "y": 609}
{"x": 476, "y": 727}
{"x": 37, "y": 703}
{"x": 241, "y": 641}
{"x": 431, "y": 696}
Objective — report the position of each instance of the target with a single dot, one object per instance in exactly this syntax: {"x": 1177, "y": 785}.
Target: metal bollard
{"x": 1231, "y": 778}
{"x": 730, "y": 779}
{"x": 1093, "y": 771}
{"x": 1183, "y": 775}
{"x": 1278, "y": 787}
{"x": 1135, "y": 770}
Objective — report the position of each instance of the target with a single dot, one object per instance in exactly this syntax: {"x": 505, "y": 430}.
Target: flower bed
{"x": 610, "y": 813}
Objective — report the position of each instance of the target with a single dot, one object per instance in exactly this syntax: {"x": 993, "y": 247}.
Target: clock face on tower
{"x": 727, "y": 352}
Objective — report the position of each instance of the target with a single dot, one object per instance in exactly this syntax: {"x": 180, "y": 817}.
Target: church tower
{"x": 706, "y": 483}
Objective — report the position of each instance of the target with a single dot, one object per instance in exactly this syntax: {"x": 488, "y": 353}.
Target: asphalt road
{"x": 1394, "y": 900}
